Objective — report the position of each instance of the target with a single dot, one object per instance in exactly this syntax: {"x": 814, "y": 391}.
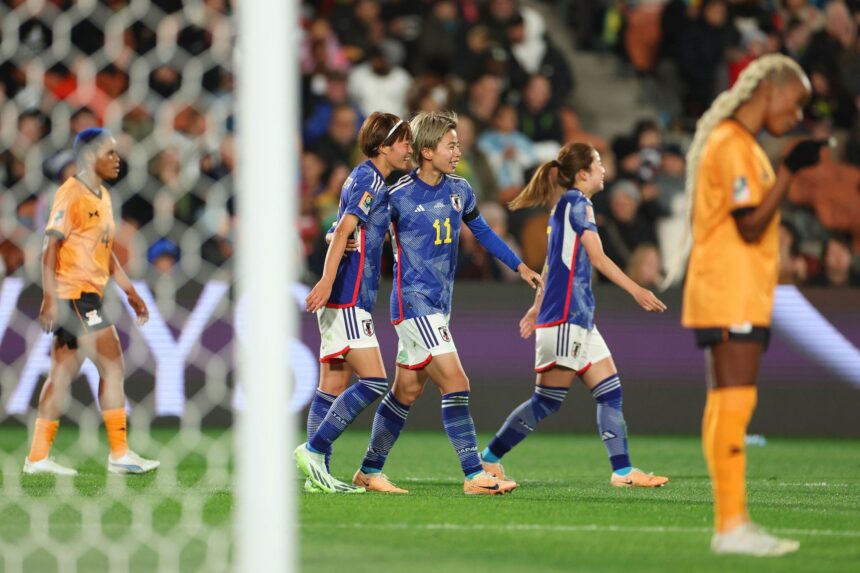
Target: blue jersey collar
{"x": 423, "y": 185}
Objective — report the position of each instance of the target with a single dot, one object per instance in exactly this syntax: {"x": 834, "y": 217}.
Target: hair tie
{"x": 555, "y": 163}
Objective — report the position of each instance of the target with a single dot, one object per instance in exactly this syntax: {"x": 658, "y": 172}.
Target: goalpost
{"x": 268, "y": 159}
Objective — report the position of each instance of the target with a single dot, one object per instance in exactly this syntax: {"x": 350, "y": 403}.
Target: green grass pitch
{"x": 563, "y": 517}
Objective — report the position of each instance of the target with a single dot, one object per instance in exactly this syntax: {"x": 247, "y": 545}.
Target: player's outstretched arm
{"x": 137, "y": 304}
{"x": 499, "y": 249}
{"x": 48, "y": 310}
{"x": 643, "y": 297}
{"x": 319, "y": 295}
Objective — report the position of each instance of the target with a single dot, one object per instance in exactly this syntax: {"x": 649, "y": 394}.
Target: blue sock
{"x": 461, "y": 431}
{"x": 320, "y": 406}
{"x": 387, "y": 423}
{"x": 610, "y": 421}
{"x": 523, "y": 420}
{"x": 344, "y": 410}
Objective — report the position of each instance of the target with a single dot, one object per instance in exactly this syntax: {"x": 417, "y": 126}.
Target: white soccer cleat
{"x": 47, "y": 466}
{"x": 313, "y": 466}
{"x": 131, "y": 463}
{"x": 750, "y": 539}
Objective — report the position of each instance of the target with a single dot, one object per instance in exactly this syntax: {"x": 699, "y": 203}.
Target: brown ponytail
{"x": 542, "y": 190}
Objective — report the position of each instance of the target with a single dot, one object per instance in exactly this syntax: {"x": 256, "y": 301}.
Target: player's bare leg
{"x": 103, "y": 348}
{"x": 65, "y": 364}
{"x": 334, "y": 379}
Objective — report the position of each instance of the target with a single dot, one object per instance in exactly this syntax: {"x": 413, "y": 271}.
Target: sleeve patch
{"x": 741, "y": 190}
{"x": 365, "y": 202}
{"x": 589, "y": 214}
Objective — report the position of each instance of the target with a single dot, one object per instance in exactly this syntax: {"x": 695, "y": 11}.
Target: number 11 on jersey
{"x": 438, "y": 227}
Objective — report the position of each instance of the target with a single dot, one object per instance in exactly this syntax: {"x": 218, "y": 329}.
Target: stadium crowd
{"x": 164, "y": 82}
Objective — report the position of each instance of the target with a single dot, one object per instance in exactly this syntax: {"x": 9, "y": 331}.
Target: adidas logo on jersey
{"x": 420, "y": 209}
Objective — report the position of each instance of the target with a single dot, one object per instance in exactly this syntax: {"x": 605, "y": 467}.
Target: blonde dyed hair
{"x": 772, "y": 67}
{"x": 428, "y": 129}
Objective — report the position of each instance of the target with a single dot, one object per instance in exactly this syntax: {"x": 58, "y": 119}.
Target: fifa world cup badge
{"x": 365, "y": 202}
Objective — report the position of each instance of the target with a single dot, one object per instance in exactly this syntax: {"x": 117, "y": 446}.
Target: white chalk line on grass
{"x": 572, "y": 482}
{"x": 585, "y": 528}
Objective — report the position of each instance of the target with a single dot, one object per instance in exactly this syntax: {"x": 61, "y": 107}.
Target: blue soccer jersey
{"x": 567, "y": 288}
{"x": 365, "y": 195}
{"x": 425, "y": 231}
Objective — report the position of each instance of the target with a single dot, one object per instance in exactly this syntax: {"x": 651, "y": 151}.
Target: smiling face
{"x": 398, "y": 154}
{"x": 107, "y": 160}
{"x": 445, "y": 157}
{"x": 590, "y": 181}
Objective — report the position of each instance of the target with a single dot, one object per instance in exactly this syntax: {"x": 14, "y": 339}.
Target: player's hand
{"x": 351, "y": 244}
{"x": 648, "y": 300}
{"x": 318, "y": 296}
{"x": 528, "y": 322}
{"x": 138, "y": 306}
{"x": 805, "y": 154}
{"x": 531, "y": 277}
{"x": 48, "y": 314}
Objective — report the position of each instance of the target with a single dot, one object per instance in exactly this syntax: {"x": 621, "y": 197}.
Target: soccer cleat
{"x": 487, "y": 484}
{"x": 313, "y": 466}
{"x": 310, "y": 487}
{"x": 637, "y": 478}
{"x": 47, "y": 466}
{"x": 750, "y": 539}
{"x": 494, "y": 469}
{"x": 376, "y": 482}
{"x": 131, "y": 463}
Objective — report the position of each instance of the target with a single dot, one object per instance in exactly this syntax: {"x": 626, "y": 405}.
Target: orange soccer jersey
{"x": 730, "y": 282}
{"x": 83, "y": 219}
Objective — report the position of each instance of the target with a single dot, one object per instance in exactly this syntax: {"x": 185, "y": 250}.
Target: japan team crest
{"x": 367, "y": 327}
{"x": 443, "y": 330}
{"x": 457, "y": 202}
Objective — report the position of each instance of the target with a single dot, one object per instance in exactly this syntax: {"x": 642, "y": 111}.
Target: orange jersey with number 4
{"x": 730, "y": 282}
{"x": 83, "y": 219}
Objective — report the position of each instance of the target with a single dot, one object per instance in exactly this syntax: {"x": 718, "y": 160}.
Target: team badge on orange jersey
{"x": 741, "y": 190}
{"x": 457, "y": 202}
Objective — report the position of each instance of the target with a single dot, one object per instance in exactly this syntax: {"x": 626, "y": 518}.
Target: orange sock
{"x": 116, "y": 431}
{"x": 727, "y": 415}
{"x": 43, "y": 436}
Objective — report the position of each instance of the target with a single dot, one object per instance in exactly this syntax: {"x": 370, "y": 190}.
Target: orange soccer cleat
{"x": 637, "y": 478}
{"x": 376, "y": 482}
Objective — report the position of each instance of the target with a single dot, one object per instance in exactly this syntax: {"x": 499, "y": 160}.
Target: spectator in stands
{"x": 704, "y": 45}
{"x": 481, "y": 100}
{"x": 644, "y": 265}
{"x": 531, "y": 53}
{"x": 321, "y": 109}
{"x": 497, "y": 218}
{"x": 473, "y": 165}
{"x": 441, "y": 38}
{"x": 163, "y": 255}
{"x": 572, "y": 131}
{"x": 509, "y": 152}
{"x": 338, "y": 145}
{"x": 539, "y": 117}
{"x": 628, "y": 224}
{"x": 792, "y": 266}
{"x": 836, "y": 261}
{"x": 377, "y": 84}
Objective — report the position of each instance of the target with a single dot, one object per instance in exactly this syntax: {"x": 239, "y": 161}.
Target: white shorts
{"x": 342, "y": 329}
{"x": 570, "y": 346}
{"x": 422, "y": 338}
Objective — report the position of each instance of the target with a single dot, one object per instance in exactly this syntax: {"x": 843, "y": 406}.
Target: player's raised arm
{"x": 319, "y": 295}
{"x": 644, "y": 297}
{"x": 121, "y": 278}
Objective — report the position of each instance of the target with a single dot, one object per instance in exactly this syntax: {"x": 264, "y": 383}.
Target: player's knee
{"x": 407, "y": 396}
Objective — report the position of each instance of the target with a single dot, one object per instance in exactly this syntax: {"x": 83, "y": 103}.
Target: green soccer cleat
{"x": 313, "y": 466}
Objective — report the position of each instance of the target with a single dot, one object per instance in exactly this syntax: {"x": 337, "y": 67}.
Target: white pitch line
{"x": 587, "y": 528}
